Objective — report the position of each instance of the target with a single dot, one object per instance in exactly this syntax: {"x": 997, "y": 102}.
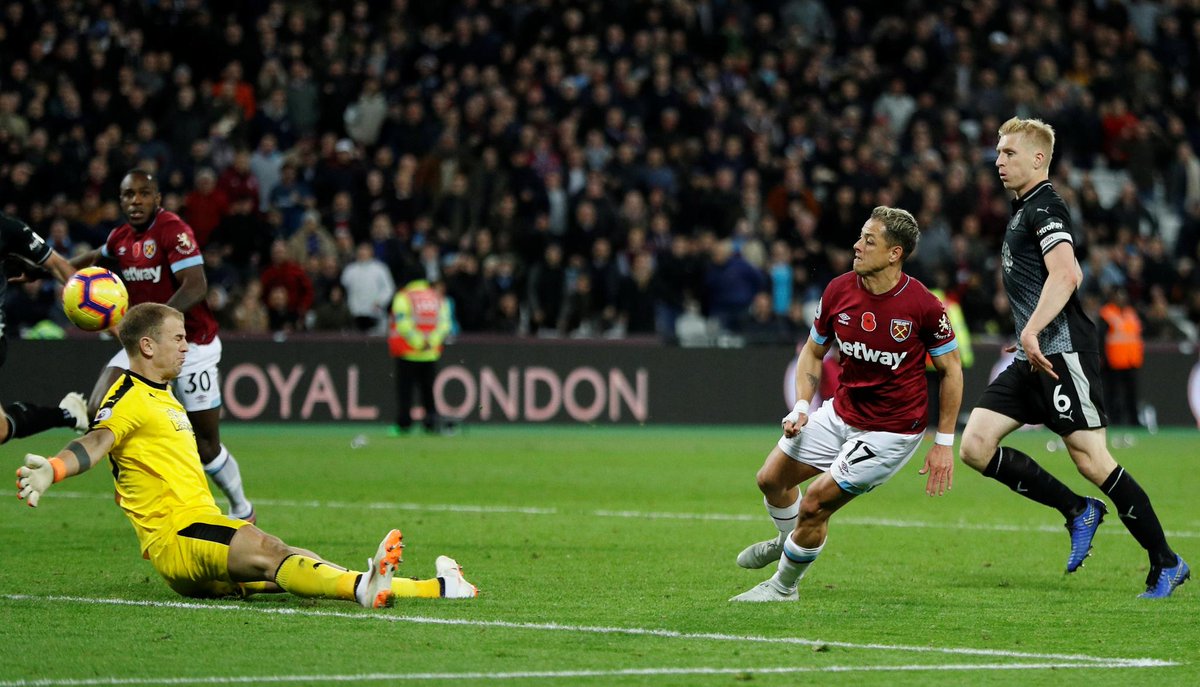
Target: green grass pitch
{"x": 605, "y": 556}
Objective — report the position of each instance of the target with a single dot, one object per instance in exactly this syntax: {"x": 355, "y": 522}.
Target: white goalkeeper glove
{"x": 34, "y": 478}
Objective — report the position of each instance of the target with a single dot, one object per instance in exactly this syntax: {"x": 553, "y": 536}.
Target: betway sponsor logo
{"x": 858, "y": 349}
{"x": 142, "y": 273}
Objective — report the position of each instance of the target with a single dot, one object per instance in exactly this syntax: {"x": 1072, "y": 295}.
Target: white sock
{"x": 794, "y": 563}
{"x": 224, "y": 471}
{"x": 785, "y": 518}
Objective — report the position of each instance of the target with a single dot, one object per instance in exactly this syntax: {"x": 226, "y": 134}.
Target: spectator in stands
{"x": 468, "y": 291}
{"x": 369, "y": 289}
{"x": 265, "y": 167}
{"x": 205, "y": 205}
{"x": 508, "y": 318}
{"x": 761, "y": 326}
{"x": 281, "y": 317}
{"x": 331, "y": 314}
{"x": 292, "y": 196}
{"x": 289, "y": 277}
{"x": 636, "y": 302}
{"x": 730, "y": 285}
{"x": 311, "y": 241}
{"x": 364, "y": 118}
{"x": 250, "y": 313}
{"x": 547, "y": 290}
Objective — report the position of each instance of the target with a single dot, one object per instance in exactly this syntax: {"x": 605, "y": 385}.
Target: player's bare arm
{"x": 1064, "y": 278}
{"x": 808, "y": 378}
{"x": 58, "y": 266}
{"x": 86, "y": 259}
{"x": 193, "y": 288}
{"x": 939, "y": 462}
{"x": 80, "y": 455}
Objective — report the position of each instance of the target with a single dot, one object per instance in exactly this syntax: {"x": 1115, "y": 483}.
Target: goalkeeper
{"x": 162, "y": 489}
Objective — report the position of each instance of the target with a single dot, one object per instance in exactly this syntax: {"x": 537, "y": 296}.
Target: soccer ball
{"x": 95, "y": 299}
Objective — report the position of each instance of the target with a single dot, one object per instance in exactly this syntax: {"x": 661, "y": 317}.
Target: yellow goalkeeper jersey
{"x": 155, "y": 464}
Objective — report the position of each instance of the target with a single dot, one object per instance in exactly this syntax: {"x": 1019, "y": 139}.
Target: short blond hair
{"x": 899, "y": 228}
{"x": 1037, "y": 132}
{"x": 144, "y": 319}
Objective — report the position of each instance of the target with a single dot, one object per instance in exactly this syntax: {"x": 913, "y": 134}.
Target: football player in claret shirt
{"x": 157, "y": 256}
{"x": 883, "y": 322}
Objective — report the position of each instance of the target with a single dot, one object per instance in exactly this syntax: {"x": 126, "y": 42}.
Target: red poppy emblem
{"x": 868, "y": 321}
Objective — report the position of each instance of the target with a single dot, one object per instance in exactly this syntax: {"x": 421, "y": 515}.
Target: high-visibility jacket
{"x": 419, "y": 323}
{"x": 962, "y": 335}
{"x": 1123, "y": 345}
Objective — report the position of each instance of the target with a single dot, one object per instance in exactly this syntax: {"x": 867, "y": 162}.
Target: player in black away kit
{"x": 1055, "y": 379}
{"x": 25, "y": 253}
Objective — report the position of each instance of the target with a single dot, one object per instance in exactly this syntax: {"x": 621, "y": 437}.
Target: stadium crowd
{"x": 615, "y": 168}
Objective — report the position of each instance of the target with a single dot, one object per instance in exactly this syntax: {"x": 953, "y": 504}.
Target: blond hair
{"x": 899, "y": 228}
{"x": 144, "y": 319}
{"x": 1035, "y": 131}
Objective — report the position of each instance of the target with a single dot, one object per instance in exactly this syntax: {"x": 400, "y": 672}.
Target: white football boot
{"x": 454, "y": 585}
{"x": 76, "y": 406}
{"x": 374, "y": 589}
{"x": 767, "y": 591}
{"x": 761, "y": 554}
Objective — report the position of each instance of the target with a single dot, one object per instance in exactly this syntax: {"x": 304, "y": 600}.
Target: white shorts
{"x": 198, "y": 386}
{"x": 856, "y": 459}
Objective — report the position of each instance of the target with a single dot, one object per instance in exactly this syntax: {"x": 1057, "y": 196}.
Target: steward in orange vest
{"x": 1123, "y": 345}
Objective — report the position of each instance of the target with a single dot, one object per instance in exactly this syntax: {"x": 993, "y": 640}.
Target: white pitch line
{"x": 649, "y": 515}
{"x": 591, "y": 629}
{"x": 541, "y": 674}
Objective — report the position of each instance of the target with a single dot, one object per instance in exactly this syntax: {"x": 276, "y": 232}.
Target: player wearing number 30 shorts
{"x": 882, "y": 323}
{"x": 159, "y": 258}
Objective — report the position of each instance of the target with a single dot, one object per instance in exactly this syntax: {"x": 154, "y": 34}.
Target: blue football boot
{"x": 1082, "y": 529}
{"x": 1163, "y": 581}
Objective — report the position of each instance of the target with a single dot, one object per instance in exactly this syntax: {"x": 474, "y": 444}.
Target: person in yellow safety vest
{"x": 961, "y": 334}
{"x": 1124, "y": 352}
{"x": 419, "y": 324}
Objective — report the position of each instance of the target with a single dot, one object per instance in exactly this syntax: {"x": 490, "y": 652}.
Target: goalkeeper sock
{"x": 225, "y": 472}
{"x": 794, "y": 563}
{"x": 785, "y": 518}
{"x": 1138, "y": 516}
{"x": 310, "y": 578}
{"x": 1023, "y": 475}
{"x": 408, "y": 587}
{"x": 25, "y": 419}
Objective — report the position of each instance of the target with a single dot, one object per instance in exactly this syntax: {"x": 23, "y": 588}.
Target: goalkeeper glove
{"x": 34, "y": 478}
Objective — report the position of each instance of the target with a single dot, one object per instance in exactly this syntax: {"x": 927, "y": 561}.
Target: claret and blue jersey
{"x": 882, "y": 339}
